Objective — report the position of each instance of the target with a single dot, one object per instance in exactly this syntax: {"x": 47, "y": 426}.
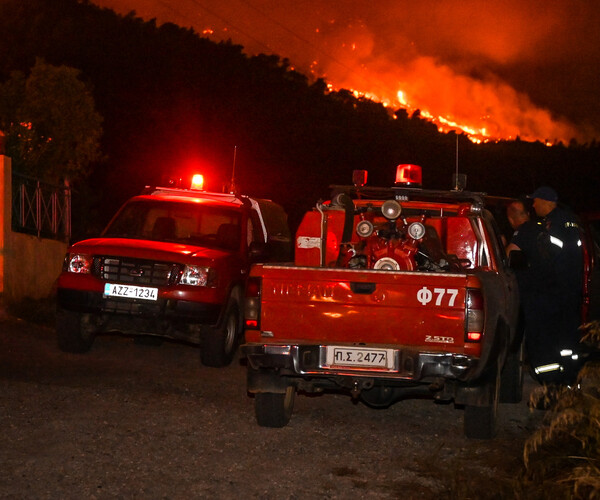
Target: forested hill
{"x": 173, "y": 101}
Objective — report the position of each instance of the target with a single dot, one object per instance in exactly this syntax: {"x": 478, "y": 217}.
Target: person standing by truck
{"x": 551, "y": 288}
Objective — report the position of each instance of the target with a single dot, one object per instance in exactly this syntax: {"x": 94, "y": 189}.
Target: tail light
{"x": 474, "y": 315}
{"x": 252, "y": 303}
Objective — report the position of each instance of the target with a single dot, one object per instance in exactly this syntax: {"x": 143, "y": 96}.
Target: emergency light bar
{"x": 197, "y": 182}
{"x": 409, "y": 175}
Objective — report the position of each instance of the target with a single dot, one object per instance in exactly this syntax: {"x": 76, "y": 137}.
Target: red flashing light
{"x": 359, "y": 177}
{"x": 409, "y": 175}
{"x": 197, "y": 182}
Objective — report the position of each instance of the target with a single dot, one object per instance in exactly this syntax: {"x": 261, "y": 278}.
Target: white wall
{"x": 29, "y": 266}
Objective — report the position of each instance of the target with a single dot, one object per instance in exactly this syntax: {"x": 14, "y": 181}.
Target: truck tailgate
{"x": 343, "y": 305}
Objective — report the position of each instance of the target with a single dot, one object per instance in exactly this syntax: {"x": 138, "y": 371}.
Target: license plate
{"x": 360, "y": 357}
{"x": 130, "y": 292}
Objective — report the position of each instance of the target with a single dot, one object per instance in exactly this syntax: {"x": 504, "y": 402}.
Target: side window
{"x": 249, "y": 231}
{"x": 497, "y": 243}
{"x": 463, "y": 240}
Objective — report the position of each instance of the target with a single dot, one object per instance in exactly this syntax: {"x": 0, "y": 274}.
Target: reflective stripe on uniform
{"x": 569, "y": 352}
{"x": 555, "y": 241}
{"x": 552, "y": 367}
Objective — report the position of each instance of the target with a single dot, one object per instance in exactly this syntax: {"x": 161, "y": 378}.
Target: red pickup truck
{"x": 394, "y": 293}
{"x": 172, "y": 263}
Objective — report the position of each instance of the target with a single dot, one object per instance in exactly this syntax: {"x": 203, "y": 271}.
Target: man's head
{"x": 516, "y": 214}
{"x": 544, "y": 200}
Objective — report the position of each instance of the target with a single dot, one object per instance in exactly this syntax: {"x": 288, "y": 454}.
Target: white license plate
{"x": 360, "y": 357}
{"x": 130, "y": 292}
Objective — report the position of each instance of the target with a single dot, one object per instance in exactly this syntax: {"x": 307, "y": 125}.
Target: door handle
{"x": 363, "y": 288}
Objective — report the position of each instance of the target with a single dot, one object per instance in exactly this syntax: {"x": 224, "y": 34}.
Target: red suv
{"x": 171, "y": 263}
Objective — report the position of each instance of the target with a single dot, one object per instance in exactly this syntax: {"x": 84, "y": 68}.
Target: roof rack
{"x": 406, "y": 193}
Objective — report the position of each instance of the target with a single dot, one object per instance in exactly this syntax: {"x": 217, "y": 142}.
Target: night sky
{"x": 504, "y": 69}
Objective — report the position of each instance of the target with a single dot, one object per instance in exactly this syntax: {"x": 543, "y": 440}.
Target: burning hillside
{"x": 484, "y": 108}
{"x": 494, "y": 71}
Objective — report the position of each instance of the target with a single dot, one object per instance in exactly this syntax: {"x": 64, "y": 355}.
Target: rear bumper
{"x": 409, "y": 364}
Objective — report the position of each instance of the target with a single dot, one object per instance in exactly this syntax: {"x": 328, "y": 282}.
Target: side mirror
{"x": 257, "y": 251}
{"x": 517, "y": 260}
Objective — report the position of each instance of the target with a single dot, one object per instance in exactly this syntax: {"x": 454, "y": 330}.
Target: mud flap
{"x": 481, "y": 407}
{"x": 265, "y": 380}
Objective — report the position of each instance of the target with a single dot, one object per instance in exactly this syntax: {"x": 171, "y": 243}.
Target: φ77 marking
{"x": 425, "y": 296}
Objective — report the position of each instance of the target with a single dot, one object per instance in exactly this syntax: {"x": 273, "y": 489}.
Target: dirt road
{"x": 136, "y": 421}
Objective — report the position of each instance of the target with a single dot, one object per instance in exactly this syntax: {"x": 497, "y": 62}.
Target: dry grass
{"x": 563, "y": 456}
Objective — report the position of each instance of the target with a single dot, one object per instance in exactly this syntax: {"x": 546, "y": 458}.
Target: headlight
{"x": 391, "y": 209}
{"x": 78, "y": 263}
{"x": 197, "y": 276}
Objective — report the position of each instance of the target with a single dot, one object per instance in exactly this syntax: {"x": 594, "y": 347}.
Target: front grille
{"x": 135, "y": 271}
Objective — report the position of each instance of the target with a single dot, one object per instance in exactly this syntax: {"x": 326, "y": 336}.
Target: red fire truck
{"x": 395, "y": 292}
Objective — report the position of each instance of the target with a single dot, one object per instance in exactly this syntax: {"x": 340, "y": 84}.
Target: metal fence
{"x": 40, "y": 208}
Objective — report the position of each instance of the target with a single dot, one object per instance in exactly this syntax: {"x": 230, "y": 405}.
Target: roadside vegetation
{"x": 563, "y": 455}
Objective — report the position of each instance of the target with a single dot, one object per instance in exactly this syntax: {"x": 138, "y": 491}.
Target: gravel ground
{"x": 139, "y": 421}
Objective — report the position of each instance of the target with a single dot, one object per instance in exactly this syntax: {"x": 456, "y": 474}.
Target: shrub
{"x": 563, "y": 456}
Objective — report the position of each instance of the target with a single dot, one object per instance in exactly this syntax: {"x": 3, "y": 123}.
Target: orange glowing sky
{"x": 498, "y": 69}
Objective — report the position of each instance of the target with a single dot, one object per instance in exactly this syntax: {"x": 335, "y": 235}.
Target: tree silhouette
{"x": 52, "y": 129}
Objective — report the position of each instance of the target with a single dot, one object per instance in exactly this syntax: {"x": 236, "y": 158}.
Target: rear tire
{"x": 219, "y": 344}
{"x": 511, "y": 383}
{"x": 480, "y": 421}
{"x": 274, "y": 409}
{"x": 70, "y": 332}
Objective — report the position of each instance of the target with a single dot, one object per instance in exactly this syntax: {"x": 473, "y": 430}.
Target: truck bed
{"x": 354, "y": 306}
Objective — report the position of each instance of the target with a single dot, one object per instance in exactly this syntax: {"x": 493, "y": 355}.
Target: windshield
{"x": 178, "y": 222}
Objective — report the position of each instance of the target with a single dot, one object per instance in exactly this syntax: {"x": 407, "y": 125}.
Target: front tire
{"x": 274, "y": 409}
{"x": 71, "y": 334}
{"x": 219, "y": 344}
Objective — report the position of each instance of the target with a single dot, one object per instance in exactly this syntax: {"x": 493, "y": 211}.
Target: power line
{"x": 230, "y": 24}
{"x": 302, "y": 39}
{"x": 274, "y": 21}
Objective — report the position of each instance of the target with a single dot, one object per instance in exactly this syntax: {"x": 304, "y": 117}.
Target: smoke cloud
{"x": 500, "y": 70}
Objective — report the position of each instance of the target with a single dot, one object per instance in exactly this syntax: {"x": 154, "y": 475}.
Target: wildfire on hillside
{"x": 485, "y": 111}
{"x": 492, "y": 70}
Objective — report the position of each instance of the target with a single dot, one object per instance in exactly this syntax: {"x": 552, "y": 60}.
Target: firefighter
{"x": 551, "y": 288}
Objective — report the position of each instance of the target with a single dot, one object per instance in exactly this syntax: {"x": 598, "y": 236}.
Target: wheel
{"x": 511, "y": 381}
{"x": 71, "y": 334}
{"x": 219, "y": 344}
{"x": 274, "y": 409}
{"x": 480, "y": 421}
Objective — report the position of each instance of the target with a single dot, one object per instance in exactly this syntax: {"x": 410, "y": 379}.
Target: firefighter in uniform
{"x": 551, "y": 289}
